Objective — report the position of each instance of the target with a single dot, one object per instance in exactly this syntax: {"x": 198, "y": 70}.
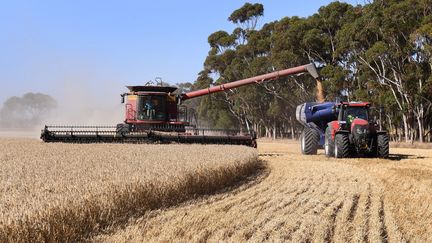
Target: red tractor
{"x": 353, "y": 133}
{"x": 345, "y": 129}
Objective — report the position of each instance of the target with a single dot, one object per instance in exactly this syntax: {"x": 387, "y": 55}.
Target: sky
{"x": 85, "y": 49}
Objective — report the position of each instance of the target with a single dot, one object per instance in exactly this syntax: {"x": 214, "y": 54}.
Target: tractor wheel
{"x": 329, "y": 143}
{"x": 382, "y": 146}
{"x": 309, "y": 141}
{"x": 342, "y": 146}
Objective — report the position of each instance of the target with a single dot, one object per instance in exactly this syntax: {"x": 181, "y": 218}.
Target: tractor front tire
{"x": 342, "y": 146}
{"x": 309, "y": 141}
{"x": 329, "y": 143}
{"x": 383, "y": 146}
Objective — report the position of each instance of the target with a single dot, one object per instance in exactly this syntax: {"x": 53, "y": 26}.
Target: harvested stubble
{"x": 66, "y": 192}
{"x": 306, "y": 199}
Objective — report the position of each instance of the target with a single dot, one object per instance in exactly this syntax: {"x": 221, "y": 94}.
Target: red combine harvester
{"x": 155, "y": 114}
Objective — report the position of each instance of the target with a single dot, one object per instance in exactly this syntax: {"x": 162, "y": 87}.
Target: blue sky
{"x": 66, "y": 47}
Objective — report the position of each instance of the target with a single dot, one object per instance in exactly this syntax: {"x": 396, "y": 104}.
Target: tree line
{"x": 379, "y": 52}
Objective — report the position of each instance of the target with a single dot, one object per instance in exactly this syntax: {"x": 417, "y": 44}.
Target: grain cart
{"x": 344, "y": 129}
{"x": 156, "y": 114}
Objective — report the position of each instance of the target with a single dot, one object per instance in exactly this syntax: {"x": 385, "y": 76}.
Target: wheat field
{"x": 305, "y": 199}
{"x": 165, "y": 193}
{"x": 68, "y": 192}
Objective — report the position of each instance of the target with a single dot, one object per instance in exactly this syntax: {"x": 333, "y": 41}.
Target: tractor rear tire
{"x": 309, "y": 141}
{"x": 329, "y": 143}
{"x": 383, "y": 146}
{"x": 342, "y": 146}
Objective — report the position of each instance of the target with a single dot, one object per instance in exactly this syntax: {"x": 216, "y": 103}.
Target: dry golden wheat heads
{"x": 65, "y": 192}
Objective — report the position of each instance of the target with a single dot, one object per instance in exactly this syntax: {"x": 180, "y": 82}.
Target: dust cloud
{"x": 78, "y": 102}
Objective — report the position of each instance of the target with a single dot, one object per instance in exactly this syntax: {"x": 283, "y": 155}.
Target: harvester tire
{"x": 342, "y": 146}
{"x": 122, "y": 129}
{"x": 329, "y": 143}
{"x": 309, "y": 141}
{"x": 383, "y": 146}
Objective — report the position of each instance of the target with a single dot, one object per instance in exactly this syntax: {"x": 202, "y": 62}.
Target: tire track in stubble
{"x": 258, "y": 223}
{"x": 384, "y": 231}
{"x": 343, "y": 222}
{"x": 288, "y": 206}
{"x": 314, "y": 224}
{"x": 296, "y": 203}
{"x": 246, "y": 197}
{"x": 251, "y": 202}
{"x": 359, "y": 222}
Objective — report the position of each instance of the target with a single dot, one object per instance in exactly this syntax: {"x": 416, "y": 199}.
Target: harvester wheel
{"x": 382, "y": 146}
{"x": 329, "y": 143}
{"x": 342, "y": 146}
{"x": 309, "y": 141}
{"x": 122, "y": 129}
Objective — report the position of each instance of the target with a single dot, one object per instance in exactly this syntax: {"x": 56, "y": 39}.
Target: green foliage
{"x": 248, "y": 13}
{"x": 379, "y": 52}
{"x": 334, "y": 80}
{"x": 220, "y": 39}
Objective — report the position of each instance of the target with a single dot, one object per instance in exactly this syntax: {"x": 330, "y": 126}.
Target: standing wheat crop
{"x": 65, "y": 192}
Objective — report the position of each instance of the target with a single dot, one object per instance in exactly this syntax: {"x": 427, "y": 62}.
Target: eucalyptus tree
{"x": 381, "y": 52}
{"x": 380, "y": 42}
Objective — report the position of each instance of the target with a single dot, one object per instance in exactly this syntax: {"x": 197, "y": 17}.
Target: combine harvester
{"x": 155, "y": 114}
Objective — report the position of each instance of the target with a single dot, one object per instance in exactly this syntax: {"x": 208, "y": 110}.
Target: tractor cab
{"x": 348, "y": 111}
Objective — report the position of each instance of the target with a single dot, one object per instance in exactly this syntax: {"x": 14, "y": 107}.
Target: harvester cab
{"x": 344, "y": 129}
{"x": 154, "y": 108}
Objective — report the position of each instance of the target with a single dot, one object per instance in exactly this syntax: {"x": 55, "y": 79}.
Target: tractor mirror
{"x": 122, "y": 99}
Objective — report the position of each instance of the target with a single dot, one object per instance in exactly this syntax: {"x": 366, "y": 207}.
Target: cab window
{"x": 350, "y": 113}
{"x": 151, "y": 107}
